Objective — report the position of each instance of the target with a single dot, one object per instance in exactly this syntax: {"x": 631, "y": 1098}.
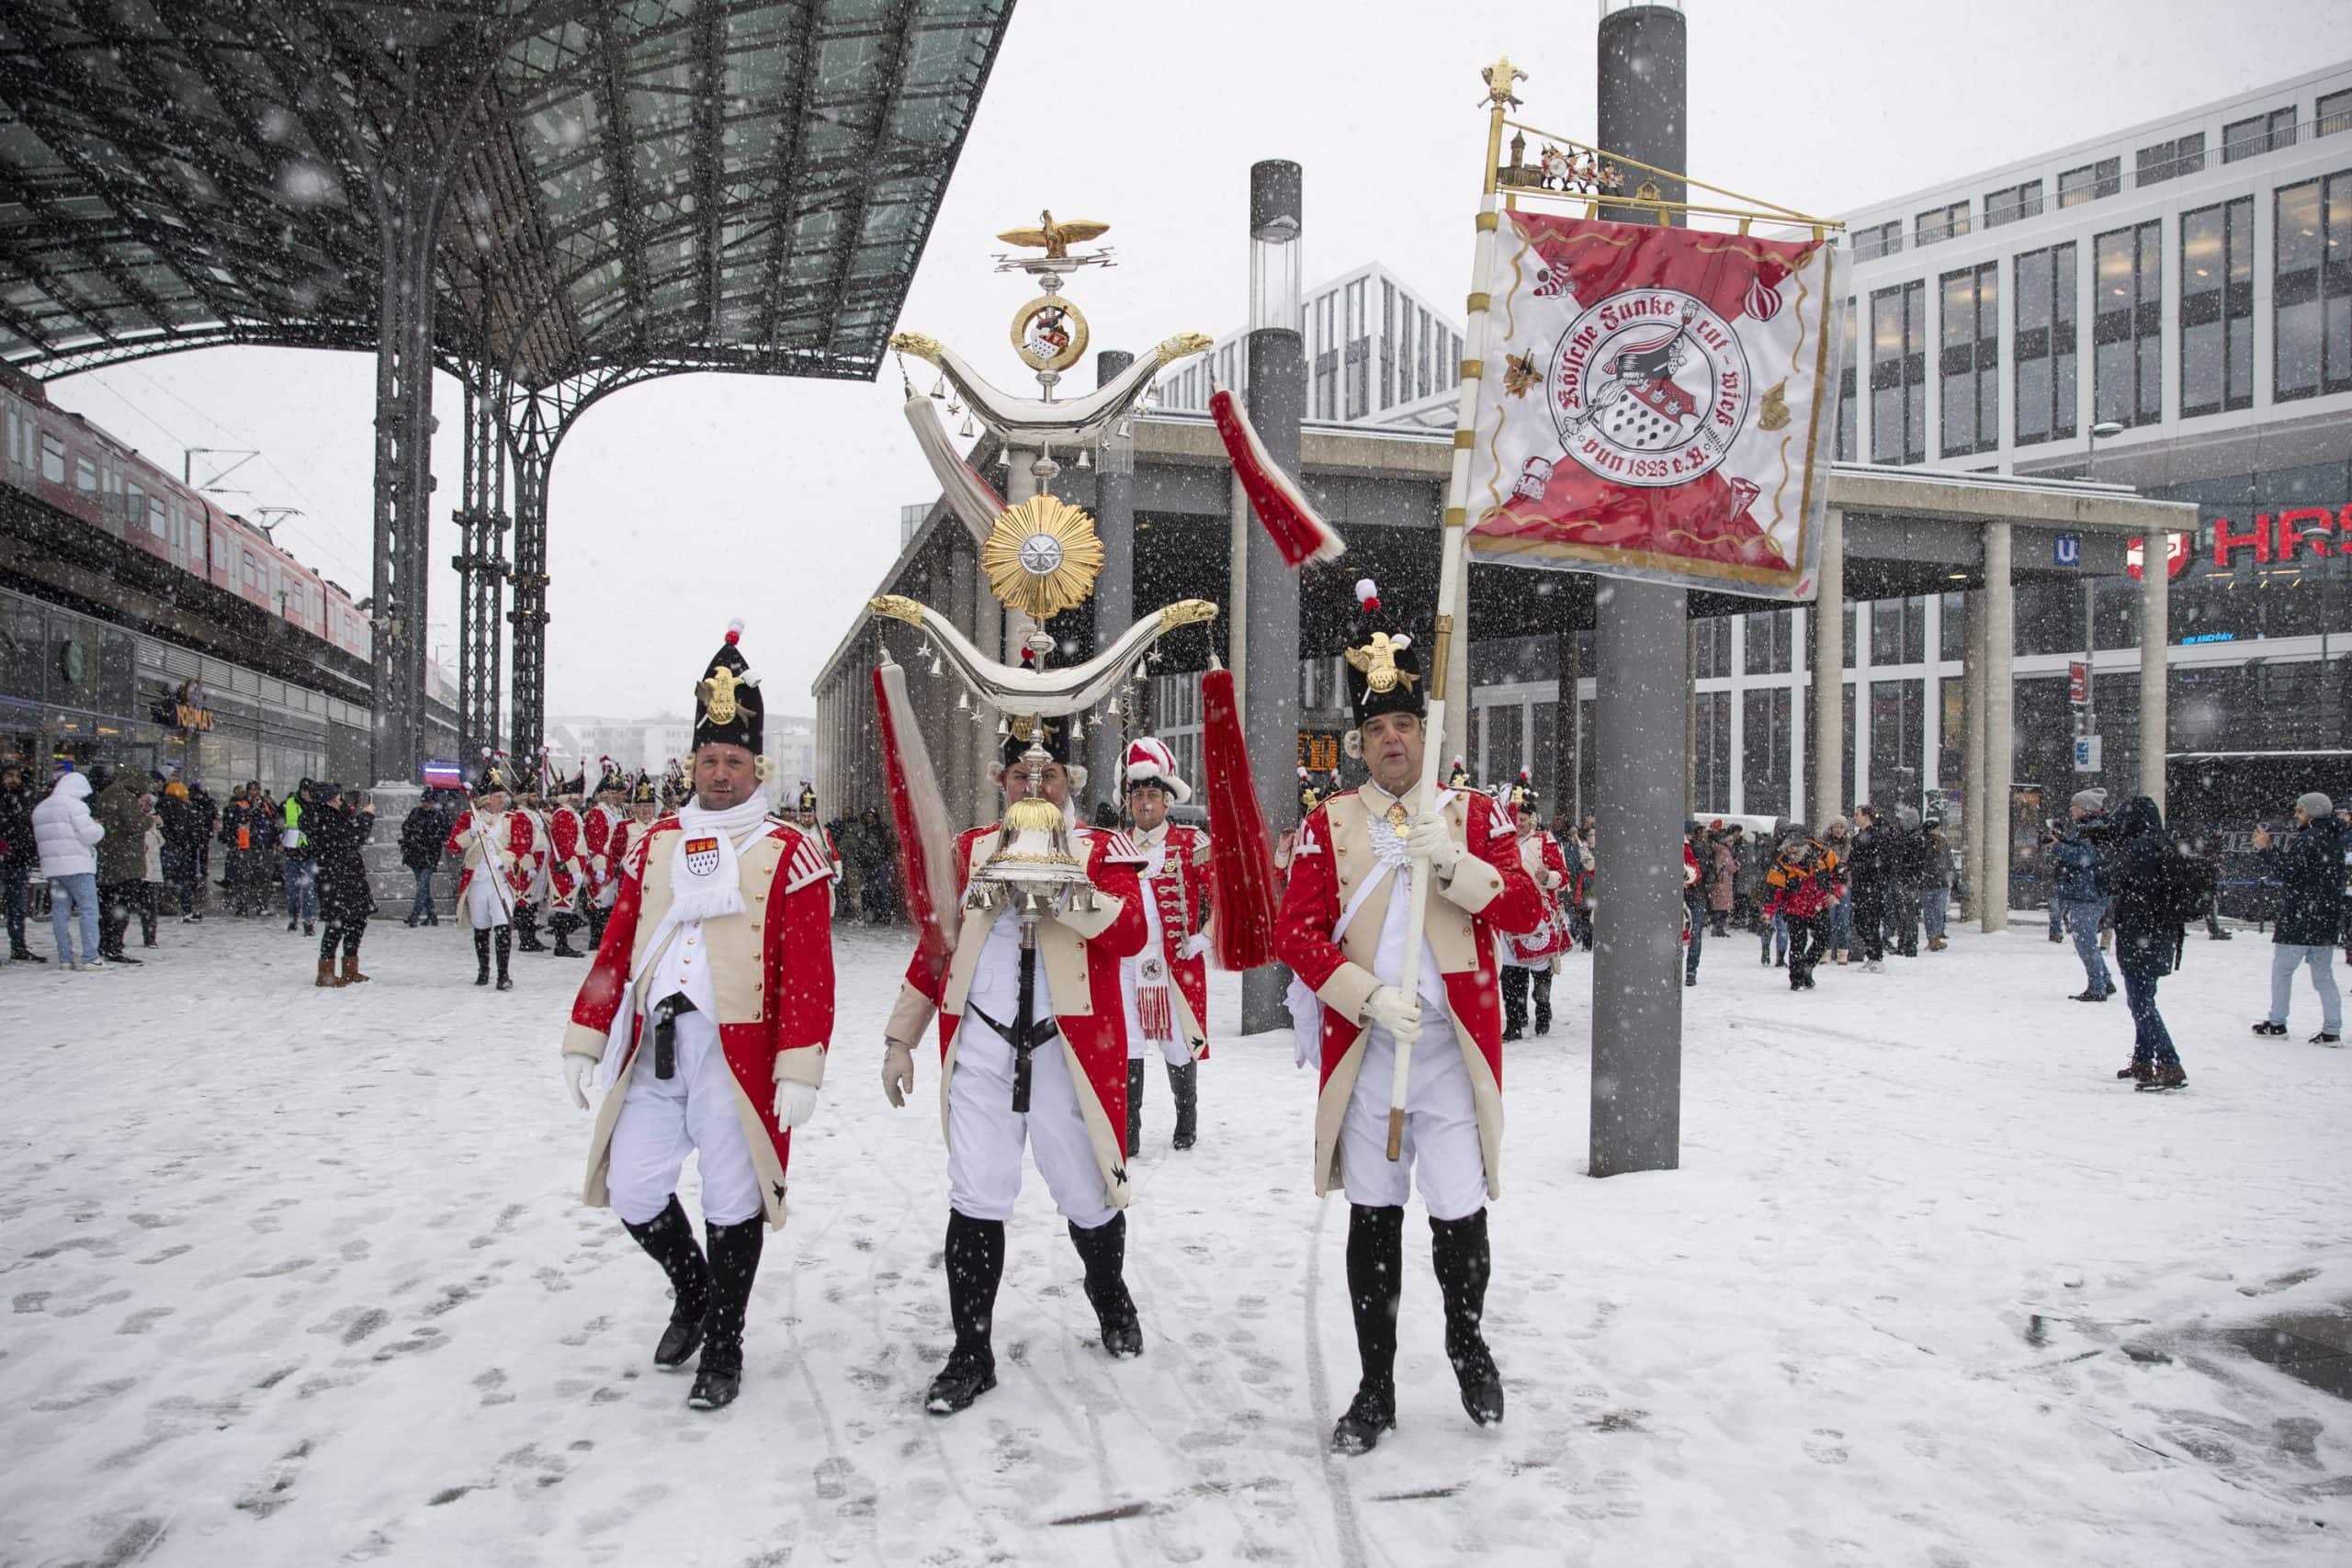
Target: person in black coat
{"x": 336, "y": 830}
{"x": 2147, "y": 940}
{"x": 1870, "y": 871}
{"x": 2311, "y": 915}
{"x": 423, "y": 831}
{"x": 17, "y": 855}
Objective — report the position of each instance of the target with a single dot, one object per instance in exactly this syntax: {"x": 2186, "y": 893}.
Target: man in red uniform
{"x": 1166, "y": 986}
{"x": 496, "y": 842}
{"x": 1053, "y": 1077}
{"x": 1342, "y": 932}
{"x": 708, "y": 1011}
{"x": 602, "y": 839}
{"x": 1529, "y": 959}
{"x": 568, "y": 864}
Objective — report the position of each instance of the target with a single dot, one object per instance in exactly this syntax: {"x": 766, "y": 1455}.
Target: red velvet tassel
{"x": 926, "y": 845}
{"x": 1288, "y": 516}
{"x": 1241, "y": 855}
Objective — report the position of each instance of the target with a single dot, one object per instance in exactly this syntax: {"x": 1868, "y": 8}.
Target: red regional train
{"x": 79, "y": 468}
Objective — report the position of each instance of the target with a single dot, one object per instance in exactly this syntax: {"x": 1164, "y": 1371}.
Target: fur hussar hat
{"x": 1150, "y": 762}
{"x": 727, "y": 707}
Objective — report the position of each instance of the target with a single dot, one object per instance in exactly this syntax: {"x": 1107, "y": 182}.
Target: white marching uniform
{"x": 663, "y": 1119}
{"x": 1439, "y": 1154}
{"x": 985, "y": 1134}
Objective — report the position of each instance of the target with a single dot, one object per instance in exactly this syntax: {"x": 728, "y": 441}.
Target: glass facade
{"x": 1971, "y": 360}
{"x": 2311, "y": 288}
{"x": 2045, "y": 345}
{"x": 1899, "y": 373}
{"x": 2217, "y": 308}
{"x": 2127, "y": 326}
{"x": 76, "y": 688}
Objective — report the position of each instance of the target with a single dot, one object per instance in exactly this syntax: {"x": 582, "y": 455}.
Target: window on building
{"x": 1897, "y": 730}
{"x": 1712, "y": 764}
{"x": 2126, "y": 325}
{"x": 2182, "y": 155}
{"x": 1387, "y": 343}
{"x": 1884, "y": 240}
{"x": 2012, "y": 203}
{"x": 52, "y": 459}
{"x": 1404, "y": 393}
{"x": 1421, "y": 378}
{"x": 1847, "y": 372}
{"x": 1942, "y": 224}
{"x": 2258, "y": 134}
{"x": 1327, "y": 357}
{"x": 134, "y": 509}
{"x": 2332, "y": 113}
{"x": 1712, "y": 655}
{"x": 159, "y": 519}
{"x": 1359, "y": 353}
{"x": 1951, "y": 626}
{"x": 1971, "y": 365}
{"x": 2311, "y": 288}
{"x": 2092, "y": 182}
{"x": 1899, "y": 373}
{"x": 85, "y": 475}
{"x": 2044, "y": 408}
{"x": 1770, "y": 643}
{"x": 2217, "y": 308}
{"x": 1764, "y": 749}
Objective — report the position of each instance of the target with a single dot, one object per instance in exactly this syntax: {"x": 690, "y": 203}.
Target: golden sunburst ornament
{"x": 1042, "y": 556}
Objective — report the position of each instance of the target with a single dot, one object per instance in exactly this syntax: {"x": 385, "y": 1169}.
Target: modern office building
{"x": 1378, "y": 353}
{"x": 2169, "y": 307}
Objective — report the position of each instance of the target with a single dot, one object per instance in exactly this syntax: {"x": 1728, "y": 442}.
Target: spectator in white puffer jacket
{"x": 67, "y": 838}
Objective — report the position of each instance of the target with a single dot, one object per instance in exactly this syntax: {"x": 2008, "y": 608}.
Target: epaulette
{"x": 806, "y": 861}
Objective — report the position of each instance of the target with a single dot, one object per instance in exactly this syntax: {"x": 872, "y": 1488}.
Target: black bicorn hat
{"x": 1384, "y": 667}
{"x": 807, "y": 797}
{"x": 1522, "y": 796}
{"x": 1053, "y": 733}
{"x": 493, "y": 779}
{"x": 727, "y": 699}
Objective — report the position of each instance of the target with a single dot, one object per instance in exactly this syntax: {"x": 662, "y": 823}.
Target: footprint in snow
{"x": 1824, "y": 1446}
{"x": 142, "y": 1320}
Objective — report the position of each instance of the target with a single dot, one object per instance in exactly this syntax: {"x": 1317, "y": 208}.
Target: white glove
{"x": 576, "y": 1068}
{"x": 1428, "y": 836}
{"x": 898, "y": 1071}
{"x": 794, "y": 1103}
{"x": 1393, "y": 1010}
{"x": 1192, "y": 946}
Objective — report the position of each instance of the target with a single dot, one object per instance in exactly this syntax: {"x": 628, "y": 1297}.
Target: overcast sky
{"x": 678, "y": 504}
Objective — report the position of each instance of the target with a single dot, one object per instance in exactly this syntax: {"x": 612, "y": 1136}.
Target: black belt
{"x": 665, "y": 1045}
{"x": 1037, "y": 1034}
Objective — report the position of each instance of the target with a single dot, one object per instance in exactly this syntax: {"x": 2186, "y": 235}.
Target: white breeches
{"x": 984, "y": 1135}
{"x": 1139, "y": 1046}
{"x": 662, "y": 1120}
{"x": 1440, "y": 1154}
{"x": 483, "y": 908}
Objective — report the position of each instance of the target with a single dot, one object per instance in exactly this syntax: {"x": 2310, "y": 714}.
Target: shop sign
{"x": 2086, "y": 754}
{"x": 2067, "y": 550}
{"x": 190, "y": 712}
{"x": 2078, "y": 682}
{"x": 2178, "y": 548}
{"x": 2276, "y": 536}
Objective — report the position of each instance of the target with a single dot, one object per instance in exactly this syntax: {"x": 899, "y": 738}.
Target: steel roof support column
{"x": 482, "y": 569}
{"x": 405, "y": 427}
{"x": 529, "y": 616}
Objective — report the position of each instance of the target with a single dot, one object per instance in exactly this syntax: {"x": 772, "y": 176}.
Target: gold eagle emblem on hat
{"x": 1376, "y": 662}
{"x": 717, "y": 691}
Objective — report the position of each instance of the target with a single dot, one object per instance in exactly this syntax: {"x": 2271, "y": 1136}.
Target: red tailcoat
{"x": 601, "y": 843}
{"x": 567, "y": 859}
{"x": 1096, "y": 1040}
{"x": 1490, "y": 896}
{"x": 518, "y": 844}
{"x": 1552, "y": 935}
{"x": 773, "y": 970}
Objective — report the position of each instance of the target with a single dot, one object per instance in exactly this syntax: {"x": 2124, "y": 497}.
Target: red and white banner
{"x": 1651, "y": 404}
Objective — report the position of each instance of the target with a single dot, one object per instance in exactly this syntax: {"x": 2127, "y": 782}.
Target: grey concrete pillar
{"x": 1972, "y": 755}
{"x": 1269, "y": 682}
{"x": 2000, "y": 732}
{"x": 1643, "y": 673}
{"x": 2155, "y": 650}
{"x": 1114, "y": 590}
{"x": 1829, "y": 701}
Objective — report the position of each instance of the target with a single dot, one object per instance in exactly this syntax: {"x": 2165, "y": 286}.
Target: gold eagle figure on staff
{"x": 1055, "y": 238}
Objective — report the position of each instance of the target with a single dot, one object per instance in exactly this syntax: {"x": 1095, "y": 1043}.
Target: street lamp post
{"x": 2105, "y": 430}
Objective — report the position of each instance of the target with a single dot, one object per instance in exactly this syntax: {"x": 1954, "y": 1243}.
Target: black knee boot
{"x": 505, "y": 935}
{"x": 1104, "y": 1251}
{"x": 1186, "y": 1082}
{"x": 734, "y": 1264}
{"x": 482, "y": 958}
{"x": 668, "y": 1240}
{"x": 1134, "y": 1106}
{"x": 1376, "y": 1283}
{"x": 975, "y": 1262}
{"x": 563, "y": 926}
{"x": 1541, "y": 979}
{"x": 1458, "y": 1248}
{"x": 1514, "y": 988}
{"x": 526, "y": 922}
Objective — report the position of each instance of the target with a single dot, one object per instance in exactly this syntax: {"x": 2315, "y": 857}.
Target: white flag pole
{"x": 1499, "y": 77}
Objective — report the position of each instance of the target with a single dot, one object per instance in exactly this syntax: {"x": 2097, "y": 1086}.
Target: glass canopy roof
{"x": 682, "y": 184}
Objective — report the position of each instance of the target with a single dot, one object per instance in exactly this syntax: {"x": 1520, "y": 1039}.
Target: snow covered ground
{"x": 298, "y": 1278}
